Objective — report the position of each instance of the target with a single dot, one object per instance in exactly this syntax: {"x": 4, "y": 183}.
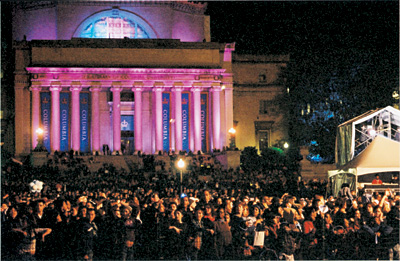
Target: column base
{"x": 96, "y": 153}
{"x": 137, "y": 152}
{"x": 117, "y": 153}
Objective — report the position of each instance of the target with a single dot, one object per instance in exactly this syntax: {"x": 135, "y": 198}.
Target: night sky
{"x": 295, "y": 26}
{"x": 352, "y": 40}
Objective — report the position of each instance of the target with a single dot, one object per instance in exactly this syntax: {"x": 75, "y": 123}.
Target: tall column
{"x": 216, "y": 117}
{"x": 138, "y": 118}
{"x": 228, "y": 111}
{"x": 178, "y": 118}
{"x": 116, "y": 120}
{"x": 55, "y": 118}
{"x": 95, "y": 120}
{"x": 157, "y": 92}
{"x": 35, "y": 114}
{"x": 75, "y": 118}
{"x": 197, "y": 118}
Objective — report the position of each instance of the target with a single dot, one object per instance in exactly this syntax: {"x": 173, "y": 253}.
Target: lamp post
{"x": 39, "y": 147}
{"x": 181, "y": 165}
{"x": 232, "y": 132}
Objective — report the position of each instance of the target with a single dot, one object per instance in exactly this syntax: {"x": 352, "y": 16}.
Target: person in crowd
{"x": 345, "y": 191}
{"x": 223, "y": 235}
{"x": 18, "y": 236}
{"x": 289, "y": 236}
{"x": 42, "y": 223}
{"x": 195, "y": 236}
{"x": 309, "y": 245}
{"x": 177, "y": 235}
{"x": 131, "y": 226}
{"x": 112, "y": 234}
{"x": 377, "y": 180}
{"x": 209, "y": 213}
{"x": 85, "y": 236}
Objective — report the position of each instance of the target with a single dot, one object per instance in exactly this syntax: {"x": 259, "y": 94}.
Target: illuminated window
{"x": 115, "y": 24}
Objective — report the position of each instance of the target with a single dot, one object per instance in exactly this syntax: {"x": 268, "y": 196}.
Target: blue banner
{"x": 84, "y": 117}
{"x": 203, "y": 121}
{"x": 185, "y": 121}
{"x": 64, "y": 121}
{"x": 165, "y": 119}
{"x": 45, "y": 102}
{"x": 127, "y": 123}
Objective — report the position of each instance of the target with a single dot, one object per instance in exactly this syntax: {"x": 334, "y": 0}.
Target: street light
{"x": 39, "y": 146}
{"x": 286, "y": 145}
{"x": 181, "y": 165}
{"x": 232, "y": 132}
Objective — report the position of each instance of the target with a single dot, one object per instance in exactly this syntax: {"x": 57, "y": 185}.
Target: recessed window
{"x": 114, "y": 24}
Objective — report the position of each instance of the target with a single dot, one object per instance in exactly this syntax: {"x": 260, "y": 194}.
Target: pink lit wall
{"x": 60, "y": 22}
{"x": 35, "y": 24}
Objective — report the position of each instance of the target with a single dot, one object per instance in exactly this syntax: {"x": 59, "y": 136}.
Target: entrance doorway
{"x": 127, "y": 142}
{"x": 263, "y": 141}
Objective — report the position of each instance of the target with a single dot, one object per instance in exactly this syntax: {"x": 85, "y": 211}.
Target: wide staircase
{"x": 132, "y": 163}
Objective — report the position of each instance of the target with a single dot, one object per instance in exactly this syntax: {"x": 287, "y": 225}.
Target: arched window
{"x": 114, "y": 23}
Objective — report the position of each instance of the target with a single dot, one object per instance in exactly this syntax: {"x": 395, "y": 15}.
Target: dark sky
{"x": 355, "y": 41}
{"x": 296, "y": 26}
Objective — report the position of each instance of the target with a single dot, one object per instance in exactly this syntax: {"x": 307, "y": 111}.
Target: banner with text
{"x": 45, "y": 102}
{"x": 64, "y": 121}
{"x": 84, "y": 117}
{"x": 203, "y": 121}
{"x": 185, "y": 121}
{"x": 166, "y": 97}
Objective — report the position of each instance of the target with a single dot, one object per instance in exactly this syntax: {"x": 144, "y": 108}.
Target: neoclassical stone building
{"x": 137, "y": 76}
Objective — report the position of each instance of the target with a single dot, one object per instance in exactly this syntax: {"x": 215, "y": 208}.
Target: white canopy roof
{"x": 382, "y": 155}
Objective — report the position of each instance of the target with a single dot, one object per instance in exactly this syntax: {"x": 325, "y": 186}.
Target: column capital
{"x": 116, "y": 89}
{"x": 35, "y": 88}
{"x": 95, "y": 89}
{"x": 177, "y": 87}
{"x": 75, "y": 88}
{"x": 196, "y": 89}
{"x": 215, "y": 87}
{"x": 55, "y": 88}
{"x": 158, "y": 88}
{"x": 137, "y": 89}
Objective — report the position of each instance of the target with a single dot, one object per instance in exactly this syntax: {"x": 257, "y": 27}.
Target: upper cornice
{"x": 194, "y": 7}
{"x": 120, "y": 43}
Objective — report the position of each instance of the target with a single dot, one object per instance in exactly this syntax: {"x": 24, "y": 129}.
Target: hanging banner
{"x": 185, "y": 121}
{"x": 45, "y": 102}
{"x": 166, "y": 97}
{"x": 203, "y": 120}
{"x": 64, "y": 120}
{"x": 84, "y": 118}
{"x": 127, "y": 123}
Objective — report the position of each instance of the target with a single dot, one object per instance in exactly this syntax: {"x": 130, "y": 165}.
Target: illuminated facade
{"x": 132, "y": 92}
{"x": 140, "y": 76}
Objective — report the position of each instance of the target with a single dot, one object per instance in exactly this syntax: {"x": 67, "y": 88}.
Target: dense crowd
{"x": 113, "y": 214}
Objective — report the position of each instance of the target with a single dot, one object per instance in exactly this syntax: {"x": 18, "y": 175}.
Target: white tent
{"x": 359, "y": 152}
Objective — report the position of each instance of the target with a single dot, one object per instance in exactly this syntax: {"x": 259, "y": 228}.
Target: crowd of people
{"x": 113, "y": 214}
